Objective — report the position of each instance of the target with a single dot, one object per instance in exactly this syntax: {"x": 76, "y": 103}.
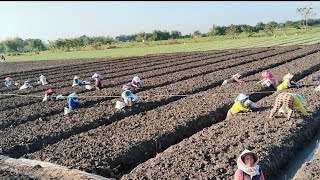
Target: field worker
{"x": 129, "y": 98}
{"x": 248, "y": 167}
{"x": 77, "y": 81}
{"x": 73, "y": 103}
{"x": 48, "y": 95}
{"x": 134, "y": 84}
{"x": 234, "y": 78}
{"x": 268, "y": 80}
{"x": 287, "y": 83}
{"x": 97, "y": 78}
{"x": 241, "y": 104}
{"x": 8, "y": 82}
{"x": 27, "y": 84}
{"x": 288, "y": 101}
{"x": 43, "y": 80}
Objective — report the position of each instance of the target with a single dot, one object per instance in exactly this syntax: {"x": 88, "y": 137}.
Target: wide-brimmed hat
{"x": 247, "y": 152}
{"x": 8, "y": 79}
{"x": 136, "y": 79}
{"x": 237, "y": 75}
{"x": 288, "y": 76}
{"x": 73, "y": 95}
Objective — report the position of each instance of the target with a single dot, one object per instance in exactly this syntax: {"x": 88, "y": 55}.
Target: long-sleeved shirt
{"x": 73, "y": 103}
{"x": 238, "y": 107}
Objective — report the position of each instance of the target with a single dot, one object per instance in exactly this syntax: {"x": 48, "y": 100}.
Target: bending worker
{"x": 241, "y": 104}
{"x": 97, "y": 77}
{"x": 73, "y": 103}
{"x": 43, "y": 80}
{"x": 234, "y": 78}
{"x": 288, "y": 101}
{"x": 8, "y": 82}
{"x": 77, "y": 81}
{"x": 48, "y": 95}
{"x": 287, "y": 83}
{"x": 134, "y": 84}
{"x": 268, "y": 80}
{"x": 26, "y": 85}
{"x": 129, "y": 98}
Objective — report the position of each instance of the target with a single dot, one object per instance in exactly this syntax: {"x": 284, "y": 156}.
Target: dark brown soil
{"x": 188, "y": 135}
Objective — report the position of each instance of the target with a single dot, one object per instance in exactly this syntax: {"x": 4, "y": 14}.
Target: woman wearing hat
{"x": 27, "y": 84}
{"x": 97, "y": 83}
{"x": 128, "y": 97}
{"x": 234, "y": 78}
{"x": 134, "y": 84}
{"x": 48, "y": 95}
{"x": 43, "y": 80}
{"x": 248, "y": 167}
{"x": 288, "y": 101}
{"x": 241, "y": 104}
{"x": 268, "y": 80}
{"x": 73, "y": 102}
{"x": 287, "y": 83}
{"x": 8, "y": 82}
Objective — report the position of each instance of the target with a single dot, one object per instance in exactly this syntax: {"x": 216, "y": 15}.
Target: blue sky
{"x": 52, "y": 20}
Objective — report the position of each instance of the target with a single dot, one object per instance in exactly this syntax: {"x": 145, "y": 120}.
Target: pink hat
{"x": 8, "y": 79}
{"x": 267, "y": 74}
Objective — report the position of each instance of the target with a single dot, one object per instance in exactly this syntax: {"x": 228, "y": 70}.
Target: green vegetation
{"x": 181, "y": 45}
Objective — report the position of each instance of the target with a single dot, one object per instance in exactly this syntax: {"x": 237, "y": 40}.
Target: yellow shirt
{"x": 237, "y": 107}
{"x": 284, "y": 85}
{"x": 297, "y": 103}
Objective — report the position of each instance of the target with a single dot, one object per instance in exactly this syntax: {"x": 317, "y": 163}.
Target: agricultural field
{"x": 178, "y": 128}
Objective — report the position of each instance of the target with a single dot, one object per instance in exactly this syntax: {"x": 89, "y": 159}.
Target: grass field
{"x": 187, "y": 46}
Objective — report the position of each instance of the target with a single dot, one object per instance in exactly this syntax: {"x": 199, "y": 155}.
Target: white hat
{"x": 89, "y": 87}
{"x": 76, "y": 77}
{"x": 237, "y": 75}
{"x": 136, "y": 79}
{"x": 288, "y": 76}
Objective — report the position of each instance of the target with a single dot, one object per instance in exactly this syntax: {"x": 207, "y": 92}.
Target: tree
{"x": 232, "y": 30}
{"x": 13, "y": 45}
{"x": 141, "y": 37}
{"x": 270, "y": 27}
{"x": 248, "y": 30}
{"x": 175, "y": 34}
{"x": 32, "y": 45}
{"x": 306, "y": 12}
{"x": 196, "y": 34}
{"x": 259, "y": 26}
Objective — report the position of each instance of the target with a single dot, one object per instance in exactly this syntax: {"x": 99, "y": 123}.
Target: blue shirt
{"x": 73, "y": 103}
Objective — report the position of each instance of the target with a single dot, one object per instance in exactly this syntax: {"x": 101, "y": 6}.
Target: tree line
{"x": 35, "y": 45}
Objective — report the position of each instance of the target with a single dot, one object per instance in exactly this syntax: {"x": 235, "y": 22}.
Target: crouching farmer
{"x": 288, "y": 102}
{"x": 8, "y": 82}
{"x": 43, "y": 80}
{"x": 129, "y": 98}
{"x": 77, "y": 81}
{"x": 268, "y": 80}
{"x": 97, "y": 81}
{"x": 287, "y": 82}
{"x": 48, "y": 95}
{"x": 234, "y": 78}
{"x": 27, "y": 84}
{"x": 73, "y": 103}
{"x": 134, "y": 84}
{"x": 241, "y": 104}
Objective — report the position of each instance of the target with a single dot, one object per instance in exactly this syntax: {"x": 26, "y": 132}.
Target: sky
{"x": 50, "y": 20}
